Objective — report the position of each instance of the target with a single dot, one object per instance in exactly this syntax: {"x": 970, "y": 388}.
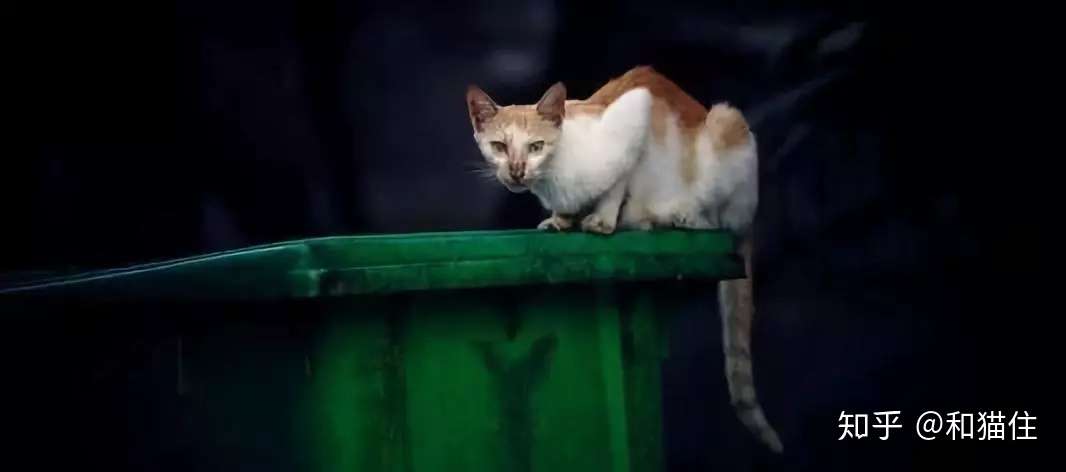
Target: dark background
{"x": 898, "y": 267}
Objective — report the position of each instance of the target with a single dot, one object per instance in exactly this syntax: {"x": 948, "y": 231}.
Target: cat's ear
{"x": 480, "y": 106}
{"x": 552, "y": 106}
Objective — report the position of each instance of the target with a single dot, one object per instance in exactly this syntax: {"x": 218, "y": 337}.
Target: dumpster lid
{"x": 390, "y": 263}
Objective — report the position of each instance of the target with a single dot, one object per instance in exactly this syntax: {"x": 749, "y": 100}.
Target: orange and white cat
{"x": 640, "y": 153}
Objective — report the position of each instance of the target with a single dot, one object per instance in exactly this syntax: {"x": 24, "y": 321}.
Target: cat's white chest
{"x": 578, "y": 171}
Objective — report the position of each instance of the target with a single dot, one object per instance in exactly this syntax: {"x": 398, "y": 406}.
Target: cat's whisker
{"x": 485, "y": 172}
{"x": 482, "y": 171}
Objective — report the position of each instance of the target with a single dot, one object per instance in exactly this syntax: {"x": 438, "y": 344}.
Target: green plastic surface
{"x": 551, "y": 379}
{"x": 379, "y": 264}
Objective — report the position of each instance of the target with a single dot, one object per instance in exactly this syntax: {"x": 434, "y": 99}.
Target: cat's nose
{"x": 518, "y": 171}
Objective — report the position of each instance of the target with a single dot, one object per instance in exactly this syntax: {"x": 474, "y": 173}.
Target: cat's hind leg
{"x": 688, "y": 214}
{"x": 692, "y": 219}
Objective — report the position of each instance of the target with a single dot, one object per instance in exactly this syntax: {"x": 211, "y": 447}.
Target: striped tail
{"x": 737, "y": 308}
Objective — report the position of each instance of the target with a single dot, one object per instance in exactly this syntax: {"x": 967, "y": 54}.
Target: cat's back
{"x": 669, "y": 98}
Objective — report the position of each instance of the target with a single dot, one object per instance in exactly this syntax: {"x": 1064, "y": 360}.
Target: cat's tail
{"x": 737, "y": 309}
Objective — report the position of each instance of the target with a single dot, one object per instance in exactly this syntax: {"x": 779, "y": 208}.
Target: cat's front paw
{"x": 595, "y": 223}
{"x": 555, "y": 223}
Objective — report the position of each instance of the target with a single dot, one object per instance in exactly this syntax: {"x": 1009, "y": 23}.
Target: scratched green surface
{"x": 391, "y": 263}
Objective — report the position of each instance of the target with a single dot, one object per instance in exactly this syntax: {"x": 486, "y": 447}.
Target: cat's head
{"x": 517, "y": 140}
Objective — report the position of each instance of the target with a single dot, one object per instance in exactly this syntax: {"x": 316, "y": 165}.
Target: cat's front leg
{"x": 604, "y": 218}
{"x": 556, "y": 222}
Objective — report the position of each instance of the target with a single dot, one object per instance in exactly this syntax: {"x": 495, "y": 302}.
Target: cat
{"x": 640, "y": 153}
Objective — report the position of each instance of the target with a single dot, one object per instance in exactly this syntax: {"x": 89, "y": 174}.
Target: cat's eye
{"x": 536, "y": 146}
{"x": 498, "y": 146}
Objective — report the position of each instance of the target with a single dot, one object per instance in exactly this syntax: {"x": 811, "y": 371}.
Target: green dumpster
{"x": 466, "y": 351}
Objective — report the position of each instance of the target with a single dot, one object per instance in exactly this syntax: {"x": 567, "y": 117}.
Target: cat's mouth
{"x": 515, "y": 187}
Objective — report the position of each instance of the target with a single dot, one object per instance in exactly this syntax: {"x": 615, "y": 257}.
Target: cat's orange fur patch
{"x": 689, "y": 111}
{"x": 523, "y": 117}
{"x": 727, "y": 127}
{"x": 580, "y": 107}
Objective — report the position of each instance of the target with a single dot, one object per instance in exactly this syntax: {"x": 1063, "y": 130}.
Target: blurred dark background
{"x": 897, "y": 264}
